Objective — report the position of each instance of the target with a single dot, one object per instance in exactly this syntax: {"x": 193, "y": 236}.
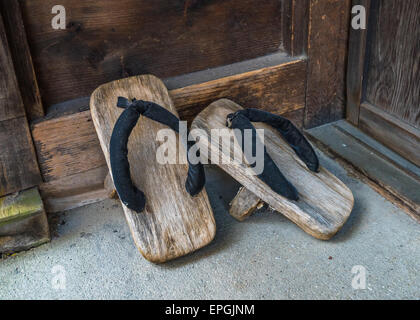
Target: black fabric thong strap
{"x": 129, "y": 194}
{"x": 271, "y": 174}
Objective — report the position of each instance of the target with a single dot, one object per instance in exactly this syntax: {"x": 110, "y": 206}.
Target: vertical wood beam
{"x": 327, "y": 60}
{"x": 22, "y": 59}
{"x": 356, "y": 66}
{"x": 18, "y": 164}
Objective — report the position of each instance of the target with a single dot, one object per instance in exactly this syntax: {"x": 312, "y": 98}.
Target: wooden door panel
{"x": 383, "y": 81}
{"x": 393, "y": 75}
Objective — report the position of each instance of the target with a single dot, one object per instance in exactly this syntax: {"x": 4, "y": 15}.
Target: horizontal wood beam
{"x": 11, "y": 105}
{"x": 295, "y": 26}
{"x": 391, "y": 131}
{"x": 327, "y": 59}
{"x": 18, "y": 164}
{"x": 356, "y": 65}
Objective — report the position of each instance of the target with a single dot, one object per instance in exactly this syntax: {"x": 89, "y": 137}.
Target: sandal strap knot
{"x": 129, "y": 194}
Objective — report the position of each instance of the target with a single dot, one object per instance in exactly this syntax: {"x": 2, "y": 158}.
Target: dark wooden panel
{"x": 327, "y": 59}
{"x": 356, "y": 67}
{"x": 69, "y": 145}
{"x": 392, "y": 132}
{"x": 295, "y": 26}
{"x": 393, "y": 77}
{"x": 11, "y": 105}
{"x": 22, "y": 58}
{"x": 18, "y": 165}
{"x": 107, "y": 40}
{"x": 23, "y": 222}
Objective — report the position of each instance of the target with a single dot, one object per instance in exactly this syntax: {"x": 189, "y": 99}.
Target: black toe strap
{"x": 132, "y": 197}
{"x": 271, "y": 174}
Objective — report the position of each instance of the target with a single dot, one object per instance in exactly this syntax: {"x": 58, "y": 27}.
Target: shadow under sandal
{"x": 292, "y": 182}
{"x": 165, "y": 205}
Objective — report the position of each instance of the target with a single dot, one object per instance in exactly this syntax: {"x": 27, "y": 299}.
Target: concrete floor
{"x": 265, "y": 257}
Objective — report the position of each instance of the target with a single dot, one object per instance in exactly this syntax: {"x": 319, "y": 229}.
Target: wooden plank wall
{"x": 18, "y": 165}
{"x": 393, "y": 75}
{"x": 107, "y": 40}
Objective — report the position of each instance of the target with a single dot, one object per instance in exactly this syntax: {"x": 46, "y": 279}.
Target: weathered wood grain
{"x": 22, "y": 58}
{"x": 173, "y": 223}
{"x": 20, "y": 205}
{"x": 295, "y": 26}
{"x": 324, "y": 202}
{"x": 244, "y": 204}
{"x": 69, "y": 145}
{"x": 23, "y": 222}
{"x": 106, "y": 40}
{"x": 356, "y": 66}
{"x": 71, "y": 201}
{"x": 391, "y": 131}
{"x": 393, "y": 75}
{"x": 74, "y": 191}
{"x": 24, "y": 234}
{"x": 384, "y": 77}
{"x": 327, "y": 59}
{"x": 18, "y": 165}
{"x": 11, "y": 105}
